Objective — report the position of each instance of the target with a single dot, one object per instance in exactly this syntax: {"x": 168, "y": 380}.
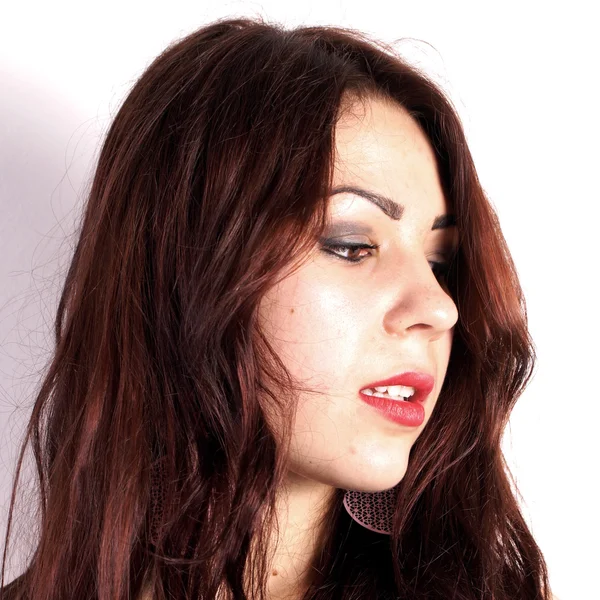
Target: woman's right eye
{"x": 336, "y": 249}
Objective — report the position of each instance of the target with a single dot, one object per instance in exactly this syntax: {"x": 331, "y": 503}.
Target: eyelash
{"x": 443, "y": 268}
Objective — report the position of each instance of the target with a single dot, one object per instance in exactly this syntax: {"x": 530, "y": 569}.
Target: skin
{"x": 339, "y": 326}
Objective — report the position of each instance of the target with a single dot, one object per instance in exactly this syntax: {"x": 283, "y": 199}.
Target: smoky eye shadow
{"x": 342, "y": 228}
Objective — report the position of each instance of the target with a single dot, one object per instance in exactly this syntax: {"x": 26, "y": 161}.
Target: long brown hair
{"x": 155, "y": 460}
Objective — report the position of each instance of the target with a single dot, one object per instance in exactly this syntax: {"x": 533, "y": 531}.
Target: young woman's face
{"x": 340, "y": 325}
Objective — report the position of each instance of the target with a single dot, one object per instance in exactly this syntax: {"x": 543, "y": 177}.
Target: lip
{"x": 403, "y": 412}
{"x": 422, "y": 382}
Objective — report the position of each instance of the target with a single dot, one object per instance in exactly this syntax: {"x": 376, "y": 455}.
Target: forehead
{"x": 378, "y": 145}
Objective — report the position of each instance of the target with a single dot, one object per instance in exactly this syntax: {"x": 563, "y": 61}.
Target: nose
{"x": 420, "y": 303}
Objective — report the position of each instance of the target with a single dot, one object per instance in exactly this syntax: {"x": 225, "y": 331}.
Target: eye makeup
{"x": 337, "y": 247}
{"x": 333, "y": 247}
{"x": 335, "y": 234}
{"x": 441, "y": 269}
{"x": 341, "y": 228}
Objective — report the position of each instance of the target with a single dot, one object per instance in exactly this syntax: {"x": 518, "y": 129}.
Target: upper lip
{"x": 421, "y": 381}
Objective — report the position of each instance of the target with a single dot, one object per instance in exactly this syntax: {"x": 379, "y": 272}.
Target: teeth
{"x": 392, "y": 391}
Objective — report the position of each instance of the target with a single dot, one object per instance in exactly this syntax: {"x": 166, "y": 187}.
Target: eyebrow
{"x": 390, "y": 208}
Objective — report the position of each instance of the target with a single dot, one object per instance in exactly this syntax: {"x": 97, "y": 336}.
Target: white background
{"x": 524, "y": 78}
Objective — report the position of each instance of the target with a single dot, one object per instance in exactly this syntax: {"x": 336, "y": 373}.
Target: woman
{"x": 288, "y": 344}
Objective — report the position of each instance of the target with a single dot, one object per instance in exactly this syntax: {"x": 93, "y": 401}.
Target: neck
{"x": 301, "y": 507}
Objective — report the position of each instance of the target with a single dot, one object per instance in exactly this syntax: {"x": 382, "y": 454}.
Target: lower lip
{"x": 402, "y": 412}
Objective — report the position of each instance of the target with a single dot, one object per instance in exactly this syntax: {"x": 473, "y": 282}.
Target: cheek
{"x": 444, "y": 350}
{"x": 315, "y": 328}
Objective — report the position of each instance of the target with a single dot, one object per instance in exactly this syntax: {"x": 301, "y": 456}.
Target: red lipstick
{"x": 409, "y": 412}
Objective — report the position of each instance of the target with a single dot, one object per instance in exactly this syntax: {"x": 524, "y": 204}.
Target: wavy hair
{"x": 156, "y": 463}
